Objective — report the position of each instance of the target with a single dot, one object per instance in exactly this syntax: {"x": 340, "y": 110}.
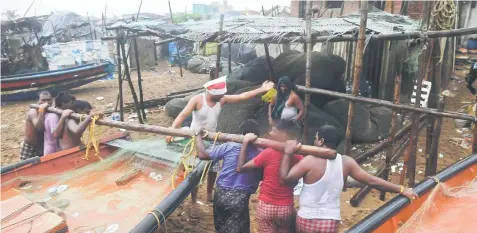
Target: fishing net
{"x": 116, "y": 192}
{"x": 447, "y": 209}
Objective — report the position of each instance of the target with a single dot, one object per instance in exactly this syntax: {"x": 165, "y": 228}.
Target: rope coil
{"x": 93, "y": 138}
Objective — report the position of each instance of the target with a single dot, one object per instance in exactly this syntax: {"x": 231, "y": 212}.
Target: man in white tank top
{"x": 323, "y": 183}
{"x": 205, "y": 109}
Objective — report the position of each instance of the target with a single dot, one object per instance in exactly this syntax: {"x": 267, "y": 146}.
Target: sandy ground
{"x": 160, "y": 83}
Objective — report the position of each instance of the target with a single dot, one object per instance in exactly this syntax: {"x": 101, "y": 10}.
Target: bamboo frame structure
{"x": 120, "y": 79}
{"x": 358, "y": 65}
{"x": 131, "y": 86}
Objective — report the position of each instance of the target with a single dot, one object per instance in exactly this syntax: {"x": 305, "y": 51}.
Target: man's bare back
{"x": 71, "y": 136}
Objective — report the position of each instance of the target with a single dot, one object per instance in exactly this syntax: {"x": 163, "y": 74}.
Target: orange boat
{"x": 119, "y": 191}
{"x": 446, "y": 203}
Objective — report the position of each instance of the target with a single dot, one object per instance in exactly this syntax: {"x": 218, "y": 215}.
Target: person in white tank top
{"x": 205, "y": 109}
{"x": 323, "y": 183}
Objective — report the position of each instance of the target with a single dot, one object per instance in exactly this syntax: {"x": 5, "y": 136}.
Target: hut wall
{"x": 65, "y": 55}
{"x": 145, "y": 48}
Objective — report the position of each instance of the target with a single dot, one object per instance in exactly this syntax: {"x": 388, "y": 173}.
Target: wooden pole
{"x": 178, "y": 56}
{"x": 411, "y": 170}
{"x": 389, "y": 152}
{"x": 170, "y": 11}
{"x": 120, "y": 78}
{"x": 260, "y": 142}
{"x": 219, "y": 47}
{"x": 385, "y": 103}
{"x": 271, "y": 72}
{"x": 357, "y": 71}
{"x": 139, "y": 79}
{"x": 131, "y": 86}
{"x": 308, "y": 68}
{"x": 342, "y": 8}
{"x": 431, "y": 166}
{"x": 230, "y": 57}
{"x": 263, "y": 11}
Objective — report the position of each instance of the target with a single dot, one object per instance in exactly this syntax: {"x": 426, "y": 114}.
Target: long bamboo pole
{"x": 308, "y": 68}
{"x": 139, "y": 79}
{"x": 387, "y": 103}
{"x": 219, "y": 47}
{"x": 389, "y": 152}
{"x": 260, "y": 142}
{"x": 120, "y": 79}
{"x": 357, "y": 72}
{"x": 229, "y": 62}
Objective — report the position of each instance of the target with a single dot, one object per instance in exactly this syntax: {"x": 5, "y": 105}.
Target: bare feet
{"x": 194, "y": 211}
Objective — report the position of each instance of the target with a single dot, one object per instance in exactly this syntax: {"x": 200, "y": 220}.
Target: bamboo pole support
{"x": 385, "y": 103}
{"x": 170, "y": 11}
{"x": 438, "y": 85}
{"x": 389, "y": 152}
{"x": 357, "y": 72}
{"x": 131, "y": 86}
{"x": 219, "y": 47}
{"x": 269, "y": 63}
{"x": 230, "y": 57}
{"x": 120, "y": 80}
{"x": 211, "y": 136}
{"x": 308, "y": 68}
{"x": 139, "y": 79}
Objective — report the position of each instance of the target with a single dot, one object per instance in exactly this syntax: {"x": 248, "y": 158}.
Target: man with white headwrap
{"x": 205, "y": 109}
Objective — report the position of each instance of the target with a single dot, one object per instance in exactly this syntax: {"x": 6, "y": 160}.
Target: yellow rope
{"x": 188, "y": 159}
{"x": 93, "y": 140}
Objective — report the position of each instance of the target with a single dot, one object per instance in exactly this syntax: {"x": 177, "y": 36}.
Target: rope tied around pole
{"x": 93, "y": 138}
{"x": 188, "y": 159}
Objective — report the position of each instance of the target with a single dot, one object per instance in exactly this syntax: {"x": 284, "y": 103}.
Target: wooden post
{"x": 342, "y": 8}
{"x": 170, "y": 11}
{"x": 230, "y": 57}
{"x": 431, "y": 165}
{"x": 357, "y": 71}
{"x": 131, "y": 86}
{"x": 271, "y": 73}
{"x": 219, "y": 47}
{"x": 308, "y": 68}
{"x": 139, "y": 79}
{"x": 389, "y": 152}
{"x": 411, "y": 170}
{"x": 120, "y": 78}
{"x": 178, "y": 57}
{"x": 263, "y": 11}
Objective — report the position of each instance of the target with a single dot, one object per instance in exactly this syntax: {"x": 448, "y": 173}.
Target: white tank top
{"x": 206, "y": 117}
{"x": 321, "y": 200}
{"x": 289, "y": 113}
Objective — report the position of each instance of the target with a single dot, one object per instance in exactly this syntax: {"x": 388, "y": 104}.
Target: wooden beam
{"x": 120, "y": 79}
{"x": 211, "y": 136}
{"x": 139, "y": 79}
{"x": 385, "y": 103}
{"x": 219, "y": 47}
{"x": 357, "y": 72}
{"x": 131, "y": 86}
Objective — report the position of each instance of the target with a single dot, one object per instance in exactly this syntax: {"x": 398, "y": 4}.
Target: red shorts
{"x": 304, "y": 225}
{"x": 275, "y": 218}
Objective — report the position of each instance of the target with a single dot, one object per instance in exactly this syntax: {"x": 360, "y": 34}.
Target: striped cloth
{"x": 304, "y": 225}
{"x": 275, "y": 218}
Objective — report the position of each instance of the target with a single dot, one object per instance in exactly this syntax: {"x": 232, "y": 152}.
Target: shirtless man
{"x": 33, "y": 140}
{"x": 323, "y": 183}
{"x": 205, "y": 110}
{"x": 73, "y": 129}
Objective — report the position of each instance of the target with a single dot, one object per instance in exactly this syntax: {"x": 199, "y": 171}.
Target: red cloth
{"x": 304, "y": 225}
{"x": 272, "y": 189}
{"x": 275, "y": 218}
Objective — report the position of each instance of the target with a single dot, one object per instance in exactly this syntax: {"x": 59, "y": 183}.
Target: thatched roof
{"x": 250, "y": 29}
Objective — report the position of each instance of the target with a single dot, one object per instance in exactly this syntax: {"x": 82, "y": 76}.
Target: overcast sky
{"x": 119, "y": 7}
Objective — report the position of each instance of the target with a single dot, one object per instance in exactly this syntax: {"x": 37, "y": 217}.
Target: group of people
{"x": 47, "y": 133}
{"x": 245, "y": 167}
